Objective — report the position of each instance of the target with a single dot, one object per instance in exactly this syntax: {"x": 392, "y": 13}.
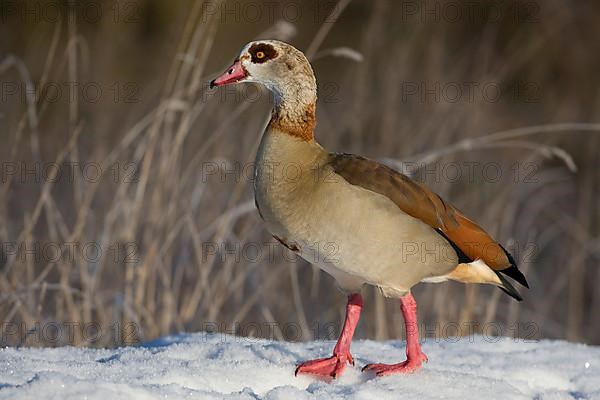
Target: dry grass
{"x": 177, "y": 229}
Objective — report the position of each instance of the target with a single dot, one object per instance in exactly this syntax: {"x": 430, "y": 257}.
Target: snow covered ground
{"x": 215, "y": 366}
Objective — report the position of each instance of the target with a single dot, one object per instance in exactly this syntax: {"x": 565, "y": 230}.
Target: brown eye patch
{"x": 262, "y": 52}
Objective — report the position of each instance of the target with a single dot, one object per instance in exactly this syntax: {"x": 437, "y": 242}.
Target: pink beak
{"x": 233, "y": 74}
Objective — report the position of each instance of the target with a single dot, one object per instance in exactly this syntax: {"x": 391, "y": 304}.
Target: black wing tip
{"x": 517, "y": 297}
{"x": 513, "y": 271}
{"x": 517, "y": 275}
{"x": 508, "y": 288}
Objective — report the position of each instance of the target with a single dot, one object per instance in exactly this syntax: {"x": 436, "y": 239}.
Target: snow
{"x": 219, "y": 366}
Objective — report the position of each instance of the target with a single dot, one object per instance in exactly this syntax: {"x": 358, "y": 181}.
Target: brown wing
{"x": 419, "y": 202}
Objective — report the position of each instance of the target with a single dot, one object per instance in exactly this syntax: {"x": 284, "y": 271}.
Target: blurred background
{"x": 126, "y": 205}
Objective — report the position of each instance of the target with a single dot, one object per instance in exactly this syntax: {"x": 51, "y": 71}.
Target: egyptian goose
{"x": 360, "y": 221}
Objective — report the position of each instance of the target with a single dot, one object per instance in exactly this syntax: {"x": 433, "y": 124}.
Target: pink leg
{"x": 333, "y": 366}
{"x": 414, "y": 356}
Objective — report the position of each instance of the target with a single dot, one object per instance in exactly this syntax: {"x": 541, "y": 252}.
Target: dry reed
{"x": 176, "y": 226}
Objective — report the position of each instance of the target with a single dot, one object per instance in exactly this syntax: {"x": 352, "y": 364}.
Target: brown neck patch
{"x": 300, "y": 125}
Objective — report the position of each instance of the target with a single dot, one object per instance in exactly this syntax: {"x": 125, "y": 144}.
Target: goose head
{"x": 279, "y": 66}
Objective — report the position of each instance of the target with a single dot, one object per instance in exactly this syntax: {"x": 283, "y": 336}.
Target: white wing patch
{"x": 474, "y": 272}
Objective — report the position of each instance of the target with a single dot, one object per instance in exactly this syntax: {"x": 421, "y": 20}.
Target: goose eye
{"x": 262, "y": 52}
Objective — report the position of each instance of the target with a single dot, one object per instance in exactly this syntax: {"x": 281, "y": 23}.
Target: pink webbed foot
{"x": 330, "y": 367}
{"x": 411, "y": 365}
{"x": 414, "y": 356}
{"x": 333, "y": 366}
